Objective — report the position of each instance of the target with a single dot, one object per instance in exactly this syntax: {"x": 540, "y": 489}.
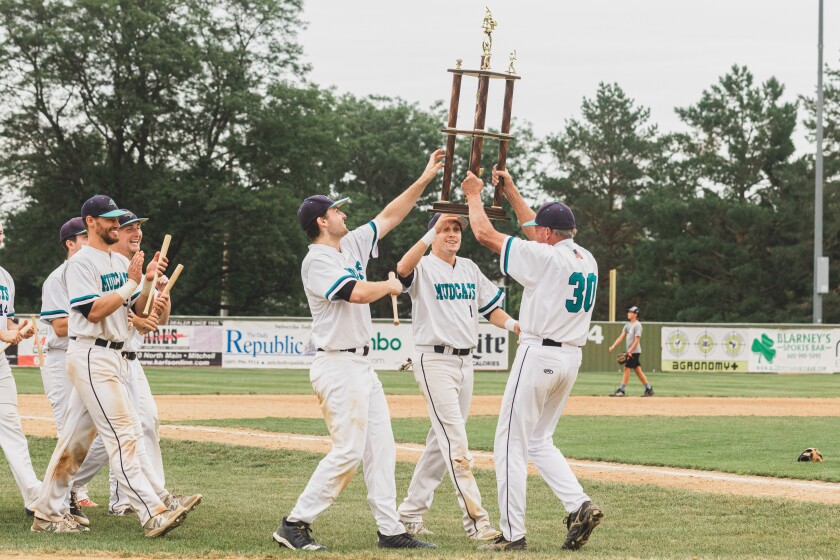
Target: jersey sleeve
{"x": 521, "y": 260}
{"x": 83, "y": 285}
{"x": 11, "y": 309}
{"x": 416, "y": 280}
{"x": 54, "y": 301}
{"x": 489, "y": 295}
{"x": 325, "y": 277}
{"x": 363, "y": 242}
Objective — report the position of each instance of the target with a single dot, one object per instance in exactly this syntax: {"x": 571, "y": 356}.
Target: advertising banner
{"x": 794, "y": 350}
{"x": 287, "y": 345}
{"x": 183, "y": 343}
{"x": 705, "y": 349}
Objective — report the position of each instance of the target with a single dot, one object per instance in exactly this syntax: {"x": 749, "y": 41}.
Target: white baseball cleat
{"x": 486, "y": 533}
{"x": 416, "y": 528}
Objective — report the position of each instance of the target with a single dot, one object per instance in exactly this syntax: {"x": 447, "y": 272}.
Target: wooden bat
{"x": 163, "y": 249}
{"x": 38, "y": 346}
{"x": 174, "y": 279}
{"x": 392, "y": 276}
{"x": 28, "y": 327}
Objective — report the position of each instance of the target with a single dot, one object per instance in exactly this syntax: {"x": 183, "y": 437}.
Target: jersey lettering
{"x": 464, "y": 290}
{"x": 4, "y": 293}
{"x": 113, "y": 280}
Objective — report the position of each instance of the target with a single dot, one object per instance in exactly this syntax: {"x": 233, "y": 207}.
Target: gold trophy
{"x": 478, "y": 134}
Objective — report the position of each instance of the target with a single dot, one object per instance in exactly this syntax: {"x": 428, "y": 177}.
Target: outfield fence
{"x": 285, "y": 343}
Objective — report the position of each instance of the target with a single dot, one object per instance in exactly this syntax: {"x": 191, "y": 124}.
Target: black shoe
{"x": 401, "y": 541}
{"x": 648, "y": 392}
{"x": 28, "y": 512}
{"x": 580, "y": 524}
{"x": 501, "y": 544}
{"x": 76, "y": 511}
{"x": 297, "y": 536}
{"x": 618, "y": 393}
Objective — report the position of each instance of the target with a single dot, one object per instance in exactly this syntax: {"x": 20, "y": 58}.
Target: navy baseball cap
{"x": 71, "y": 228}
{"x": 634, "y": 309}
{"x": 101, "y": 206}
{"x": 316, "y": 206}
{"x": 130, "y": 217}
{"x": 461, "y": 220}
{"x": 554, "y": 215}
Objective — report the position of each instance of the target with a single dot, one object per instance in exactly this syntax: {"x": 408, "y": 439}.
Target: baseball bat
{"x": 174, "y": 278}
{"x": 392, "y": 276}
{"x": 24, "y": 330}
{"x": 163, "y": 249}
{"x": 38, "y": 346}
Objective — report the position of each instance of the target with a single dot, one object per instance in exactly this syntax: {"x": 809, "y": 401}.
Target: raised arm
{"x": 523, "y": 212}
{"x": 368, "y": 292}
{"x": 393, "y": 214}
{"x": 480, "y": 224}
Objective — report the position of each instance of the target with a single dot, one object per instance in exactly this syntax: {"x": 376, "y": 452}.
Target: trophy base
{"x": 444, "y": 207}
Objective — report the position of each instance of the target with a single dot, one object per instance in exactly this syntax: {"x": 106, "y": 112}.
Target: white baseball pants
{"x": 447, "y": 384}
{"x": 538, "y": 386}
{"x": 99, "y": 403}
{"x": 13, "y": 441}
{"x": 359, "y": 422}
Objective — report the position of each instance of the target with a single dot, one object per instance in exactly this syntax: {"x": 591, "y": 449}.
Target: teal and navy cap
{"x": 554, "y": 215}
{"x": 130, "y": 217}
{"x": 101, "y": 206}
{"x": 71, "y": 228}
{"x": 316, "y": 206}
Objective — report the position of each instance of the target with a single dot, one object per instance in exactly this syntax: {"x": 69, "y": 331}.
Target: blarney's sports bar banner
{"x": 750, "y": 349}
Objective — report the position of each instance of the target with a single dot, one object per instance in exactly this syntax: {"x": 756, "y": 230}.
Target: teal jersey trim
{"x": 53, "y": 312}
{"x": 489, "y": 305}
{"x": 372, "y": 224}
{"x": 83, "y": 298}
{"x": 507, "y": 252}
{"x": 10, "y": 315}
{"x": 337, "y": 282}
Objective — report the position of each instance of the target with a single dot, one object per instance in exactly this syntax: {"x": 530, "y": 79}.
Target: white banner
{"x": 722, "y": 349}
{"x": 287, "y": 345}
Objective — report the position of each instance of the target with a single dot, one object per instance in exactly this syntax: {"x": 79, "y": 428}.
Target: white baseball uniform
{"x": 446, "y": 302}
{"x": 100, "y": 400}
{"x": 55, "y": 304}
{"x": 12, "y": 439}
{"x": 559, "y": 284}
{"x": 347, "y": 387}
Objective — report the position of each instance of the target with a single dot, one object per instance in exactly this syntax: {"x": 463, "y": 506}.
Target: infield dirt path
{"x": 37, "y": 420}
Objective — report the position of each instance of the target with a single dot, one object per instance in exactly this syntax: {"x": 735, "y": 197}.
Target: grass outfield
{"x": 738, "y": 444}
{"x": 247, "y": 490}
{"x": 202, "y": 381}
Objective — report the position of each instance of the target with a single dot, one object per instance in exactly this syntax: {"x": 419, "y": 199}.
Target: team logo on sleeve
{"x": 357, "y": 273}
{"x": 462, "y": 290}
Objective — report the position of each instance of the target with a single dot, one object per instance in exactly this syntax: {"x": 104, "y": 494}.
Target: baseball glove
{"x": 406, "y": 365}
{"x": 811, "y": 454}
{"x": 622, "y": 358}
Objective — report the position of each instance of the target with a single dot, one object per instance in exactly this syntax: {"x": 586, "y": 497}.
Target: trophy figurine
{"x": 478, "y": 134}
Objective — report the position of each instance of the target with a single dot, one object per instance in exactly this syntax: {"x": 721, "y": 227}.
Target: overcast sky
{"x": 662, "y": 53}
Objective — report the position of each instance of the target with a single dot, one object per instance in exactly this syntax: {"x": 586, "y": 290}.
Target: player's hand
{"x": 472, "y": 185}
{"x": 162, "y": 282}
{"x": 434, "y": 165}
{"x": 501, "y": 174}
{"x": 444, "y": 220}
{"x": 516, "y": 328}
{"x": 156, "y": 266}
{"x": 29, "y": 333}
{"x": 12, "y": 336}
{"x": 145, "y": 325}
{"x": 612, "y": 347}
{"x": 160, "y": 304}
{"x": 395, "y": 287}
{"x": 135, "y": 267}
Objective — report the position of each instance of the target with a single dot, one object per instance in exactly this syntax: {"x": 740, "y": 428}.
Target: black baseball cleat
{"x": 76, "y": 511}
{"x": 502, "y": 544}
{"x": 648, "y": 392}
{"x": 580, "y": 524}
{"x": 401, "y": 541}
{"x": 28, "y": 512}
{"x": 297, "y": 536}
{"x": 618, "y": 393}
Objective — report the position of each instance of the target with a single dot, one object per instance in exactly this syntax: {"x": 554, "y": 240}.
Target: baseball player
{"x": 351, "y": 396}
{"x": 559, "y": 279}
{"x": 139, "y": 392}
{"x": 12, "y": 440}
{"x": 102, "y": 285}
{"x": 632, "y": 331}
{"x": 448, "y": 294}
{"x": 55, "y": 305}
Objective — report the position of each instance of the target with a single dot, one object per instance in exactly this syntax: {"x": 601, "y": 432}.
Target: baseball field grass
{"x": 737, "y": 444}
{"x": 247, "y": 490}
{"x": 203, "y": 381}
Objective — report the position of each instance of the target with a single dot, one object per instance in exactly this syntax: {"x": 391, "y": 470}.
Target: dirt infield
{"x": 37, "y": 420}
{"x": 207, "y": 407}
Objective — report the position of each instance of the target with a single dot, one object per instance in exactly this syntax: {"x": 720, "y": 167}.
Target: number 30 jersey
{"x": 560, "y": 282}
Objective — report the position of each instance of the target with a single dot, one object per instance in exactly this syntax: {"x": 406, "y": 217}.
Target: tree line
{"x": 199, "y": 115}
